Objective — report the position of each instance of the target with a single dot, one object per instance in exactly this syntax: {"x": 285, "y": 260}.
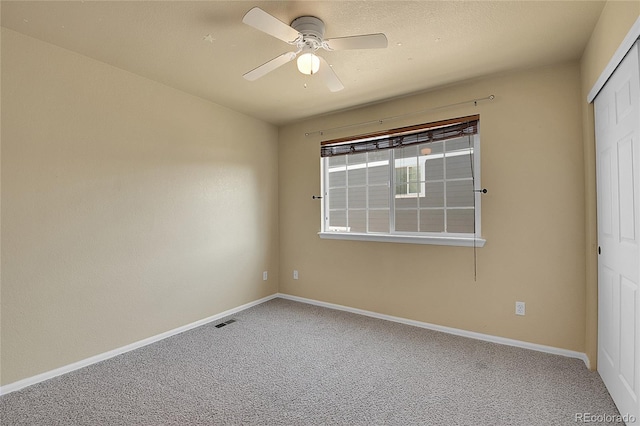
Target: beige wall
{"x": 128, "y": 208}
{"x": 532, "y": 218}
{"x": 612, "y": 27}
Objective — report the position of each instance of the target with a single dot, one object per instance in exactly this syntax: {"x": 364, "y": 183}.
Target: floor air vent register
{"x": 222, "y": 324}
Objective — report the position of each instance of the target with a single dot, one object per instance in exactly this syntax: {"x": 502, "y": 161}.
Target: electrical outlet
{"x": 295, "y": 274}
{"x": 520, "y": 308}
{"x": 265, "y": 275}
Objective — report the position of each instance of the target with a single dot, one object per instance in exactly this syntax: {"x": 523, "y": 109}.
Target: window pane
{"x": 338, "y": 198}
{"x": 378, "y": 196}
{"x": 379, "y": 174}
{"x": 407, "y": 220}
{"x": 405, "y": 201}
{"x": 463, "y": 143}
{"x": 357, "y": 176}
{"x": 401, "y": 180}
{"x": 430, "y": 149}
{"x": 459, "y": 157}
{"x": 337, "y": 179}
{"x": 414, "y": 187}
{"x": 339, "y": 160}
{"x": 433, "y": 169}
{"x": 378, "y": 220}
{"x": 434, "y": 195}
{"x": 356, "y": 169}
{"x": 358, "y": 197}
{"x": 408, "y": 154}
{"x": 357, "y": 221}
{"x": 431, "y": 160}
{"x": 460, "y": 220}
{"x": 375, "y": 156}
{"x": 338, "y": 218}
{"x": 406, "y": 164}
{"x": 356, "y": 158}
{"x": 431, "y": 220}
{"x": 412, "y": 174}
{"x": 460, "y": 193}
{"x": 459, "y": 167}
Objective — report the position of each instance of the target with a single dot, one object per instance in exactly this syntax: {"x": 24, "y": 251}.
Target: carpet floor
{"x": 289, "y": 363}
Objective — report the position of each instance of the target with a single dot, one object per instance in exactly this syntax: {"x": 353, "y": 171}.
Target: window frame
{"x": 434, "y": 238}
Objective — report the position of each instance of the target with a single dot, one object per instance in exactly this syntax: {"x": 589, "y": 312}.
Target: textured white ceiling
{"x": 431, "y": 44}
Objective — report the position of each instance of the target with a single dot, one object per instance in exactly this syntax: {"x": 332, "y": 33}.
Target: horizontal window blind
{"x": 400, "y": 137}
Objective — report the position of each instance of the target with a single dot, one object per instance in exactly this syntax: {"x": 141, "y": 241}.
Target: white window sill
{"x": 409, "y": 239}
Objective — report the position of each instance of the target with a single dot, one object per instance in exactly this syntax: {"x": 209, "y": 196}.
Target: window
{"x": 410, "y": 185}
{"x": 408, "y": 182}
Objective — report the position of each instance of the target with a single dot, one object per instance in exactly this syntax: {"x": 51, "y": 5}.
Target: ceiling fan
{"x": 306, "y": 33}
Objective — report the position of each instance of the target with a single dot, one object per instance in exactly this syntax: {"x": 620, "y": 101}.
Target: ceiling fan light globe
{"x": 308, "y": 63}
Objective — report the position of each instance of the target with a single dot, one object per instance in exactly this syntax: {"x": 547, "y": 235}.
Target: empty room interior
{"x": 197, "y": 229}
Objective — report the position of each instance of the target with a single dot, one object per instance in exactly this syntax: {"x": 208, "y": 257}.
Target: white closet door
{"x": 617, "y": 115}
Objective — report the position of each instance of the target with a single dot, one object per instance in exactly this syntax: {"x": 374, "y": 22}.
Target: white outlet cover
{"x": 265, "y": 275}
{"x": 295, "y": 275}
{"x": 520, "y": 308}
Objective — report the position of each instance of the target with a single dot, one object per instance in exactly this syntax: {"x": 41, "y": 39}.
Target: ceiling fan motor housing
{"x": 312, "y": 30}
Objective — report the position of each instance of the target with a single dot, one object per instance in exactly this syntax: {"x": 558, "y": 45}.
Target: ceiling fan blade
{"x": 328, "y": 76}
{"x": 261, "y": 20}
{"x": 267, "y": 67}
{"x": 368, "y": 41}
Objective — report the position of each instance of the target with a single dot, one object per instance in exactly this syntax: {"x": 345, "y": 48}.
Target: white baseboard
{"x": 12, "y": 387}
{"x": 449, "y": 330}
